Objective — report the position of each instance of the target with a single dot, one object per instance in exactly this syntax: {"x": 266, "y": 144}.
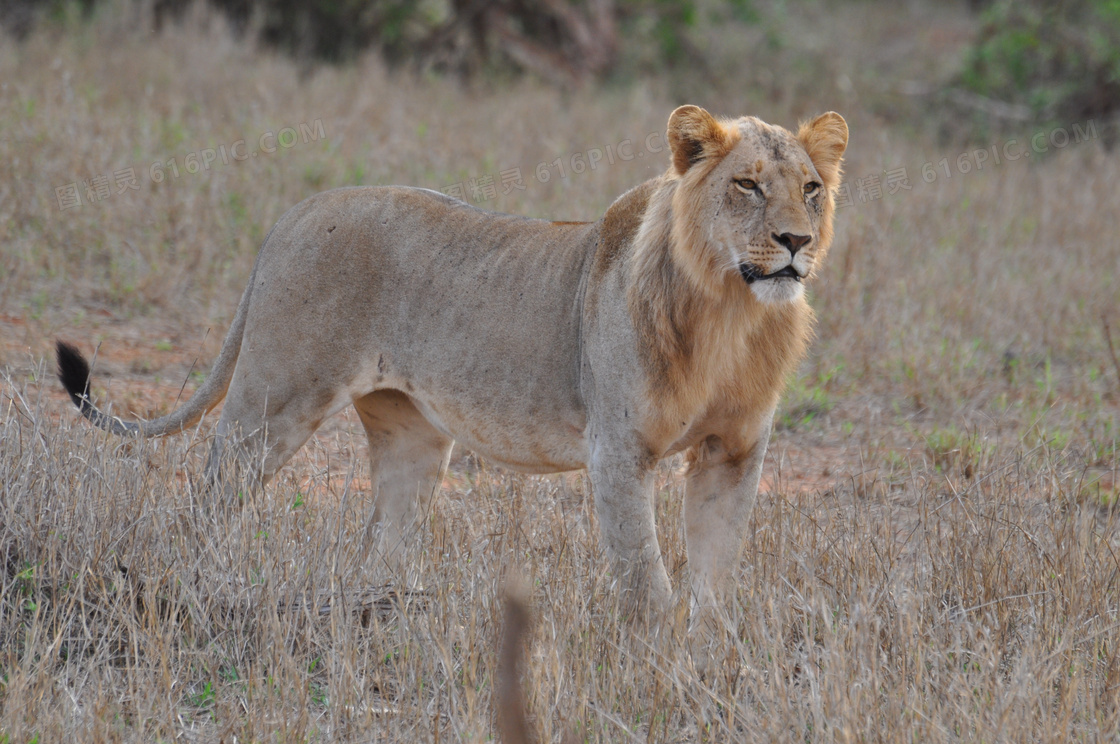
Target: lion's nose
{"x": 791, "y": 242}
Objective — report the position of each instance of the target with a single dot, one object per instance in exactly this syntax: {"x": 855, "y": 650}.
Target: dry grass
{"x": 934, "y": 559}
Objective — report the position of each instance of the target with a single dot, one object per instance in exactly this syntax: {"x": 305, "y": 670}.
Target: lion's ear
{"x": 694, "y": 135}
{"x": 825, "y": 139}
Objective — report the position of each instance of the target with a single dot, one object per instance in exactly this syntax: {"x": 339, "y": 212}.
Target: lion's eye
{"x": 746, "y": 184}
{"x": 812, "y": 188}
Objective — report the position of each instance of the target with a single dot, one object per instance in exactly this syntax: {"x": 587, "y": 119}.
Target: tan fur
{"x": 670, "y": 325}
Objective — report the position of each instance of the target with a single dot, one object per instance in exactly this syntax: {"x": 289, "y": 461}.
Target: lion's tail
{"x": 74, "y": 372}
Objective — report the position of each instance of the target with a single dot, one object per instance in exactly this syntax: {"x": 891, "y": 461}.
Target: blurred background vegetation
{"x": 1048, "y": 60}
{"x": 1030, "y": 63}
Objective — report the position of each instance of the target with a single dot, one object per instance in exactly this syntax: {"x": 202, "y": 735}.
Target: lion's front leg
{"x": 720, "y": 492}
{"x": 622, "y": 484}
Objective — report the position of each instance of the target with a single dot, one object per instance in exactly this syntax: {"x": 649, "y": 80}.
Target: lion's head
{"x": 753, "y": 204}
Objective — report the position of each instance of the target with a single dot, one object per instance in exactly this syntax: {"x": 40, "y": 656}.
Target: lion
{"x": 670, "y": 325}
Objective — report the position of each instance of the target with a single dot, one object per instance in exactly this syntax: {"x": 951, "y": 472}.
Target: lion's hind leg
{"x": 409, "y": 457}
{"x": 263, "y": 424}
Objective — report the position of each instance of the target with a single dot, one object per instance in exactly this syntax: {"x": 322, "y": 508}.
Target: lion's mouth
{"x": 751, "y": 274}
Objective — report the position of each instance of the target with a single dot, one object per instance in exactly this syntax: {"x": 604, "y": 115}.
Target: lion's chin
{"x": 777, "y": 291}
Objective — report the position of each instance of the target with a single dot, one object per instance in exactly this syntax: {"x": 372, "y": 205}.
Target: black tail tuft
{"x": 73, "y": 372}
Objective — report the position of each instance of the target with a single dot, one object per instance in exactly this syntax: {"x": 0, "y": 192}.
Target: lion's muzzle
{"x": 752, "y": 274}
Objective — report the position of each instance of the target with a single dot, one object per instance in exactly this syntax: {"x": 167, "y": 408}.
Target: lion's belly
{"x": 542, "y": 441}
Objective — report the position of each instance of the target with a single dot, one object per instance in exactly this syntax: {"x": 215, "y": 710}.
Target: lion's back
{"x": 468, "y": 311}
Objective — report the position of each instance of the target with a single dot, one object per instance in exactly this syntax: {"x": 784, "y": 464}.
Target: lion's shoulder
{"x": 620, "y": 224}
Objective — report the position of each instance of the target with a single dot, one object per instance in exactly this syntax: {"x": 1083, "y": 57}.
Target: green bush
{"x": 565, "y": 41}
{"x": 1058, "y": 58}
